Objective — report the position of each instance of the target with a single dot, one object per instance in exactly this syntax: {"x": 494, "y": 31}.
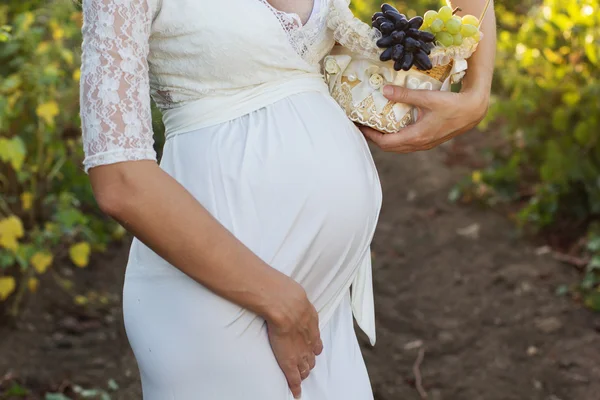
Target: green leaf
{"x": 112, "y": 384}
{"x": 592, "y": 300}
{"x": 16, "y": 390}
{"x": 454, "y": 194}
{"x": 589, "y": 281}
{"x": 594, "y": 264}
{"x": 562, "y": 290}
{"x": 6, "y": 260}
{"x": 594, "y": 244}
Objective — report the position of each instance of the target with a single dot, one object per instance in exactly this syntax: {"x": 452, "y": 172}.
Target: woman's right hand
{"x": 294, "y": 335}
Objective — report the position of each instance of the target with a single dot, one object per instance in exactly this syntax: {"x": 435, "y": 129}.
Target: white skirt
{"x": 296, "y": 183}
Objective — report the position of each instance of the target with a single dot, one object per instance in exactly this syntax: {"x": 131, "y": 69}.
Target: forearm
{"x": 167, "y": 218}
{"x": 481, "y": 64}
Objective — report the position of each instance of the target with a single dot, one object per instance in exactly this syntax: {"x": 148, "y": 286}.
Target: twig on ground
{"x": 578, "y": 262}
{"x": 417, "y": 372}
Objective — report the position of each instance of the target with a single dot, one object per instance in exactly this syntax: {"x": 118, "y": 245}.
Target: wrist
{"x": 280, "y": 297}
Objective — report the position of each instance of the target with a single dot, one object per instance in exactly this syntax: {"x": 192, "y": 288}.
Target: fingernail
{"x": 388, "y": 90}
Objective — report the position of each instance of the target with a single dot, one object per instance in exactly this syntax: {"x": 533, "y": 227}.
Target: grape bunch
{"x": 402, "y": 40}
{"x": 450, "y": 29}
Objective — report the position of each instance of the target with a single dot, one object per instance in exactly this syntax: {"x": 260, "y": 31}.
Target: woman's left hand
{"x": 441, "y": 117}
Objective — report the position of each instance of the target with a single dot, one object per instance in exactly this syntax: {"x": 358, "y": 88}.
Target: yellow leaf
{"x": 51, "y": 227}
{"x": 476, "y": 177}
{"x": 58, "y": 33}
{"x": 33, "y": 284}
{"x": 47, "y": 111}
{"x": 7, "y": 286}
{"x": 67, "y": 56}
{"x": 27, "y": 21}
{"x": 13, "y": 151}
{"x": 77, "y": 75}
{"x": 26, "y": 200}
{"x": 42, "y": 47}
{"x": 41, "y": 261}
{"x": 80, "y": 300}
{"x": 12, "y": 226}
{"x": 80, "y": 254}
{"x": 9, "y": 242}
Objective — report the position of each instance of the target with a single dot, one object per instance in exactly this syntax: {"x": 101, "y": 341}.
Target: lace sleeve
{"x": 115, "y": 92}
{"x": 351, "y": 32}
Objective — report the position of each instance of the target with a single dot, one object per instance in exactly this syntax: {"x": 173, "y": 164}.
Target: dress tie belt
{"x": 230, "y": 104}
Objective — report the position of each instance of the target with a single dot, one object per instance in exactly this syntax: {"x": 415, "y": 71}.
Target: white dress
{"x": 253, "y": 134}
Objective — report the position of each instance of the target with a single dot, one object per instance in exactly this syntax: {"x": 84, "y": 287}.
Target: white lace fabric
{"x": 115, "y": 105}
{"x": 182, "y": 52}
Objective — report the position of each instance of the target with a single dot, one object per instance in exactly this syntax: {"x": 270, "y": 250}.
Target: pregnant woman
{"x": 251, "y": 251}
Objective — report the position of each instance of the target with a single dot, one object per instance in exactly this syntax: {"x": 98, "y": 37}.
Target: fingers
{"x": 315, "y": 339}
{"x": 420, "y": 98}
{"x": 412, "y": 138}
{"x": 294, "y": 380}
{"x": 304, "y": 368}
{"x": 318, "y": 347}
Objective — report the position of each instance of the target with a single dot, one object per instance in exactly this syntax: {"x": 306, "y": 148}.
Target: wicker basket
{"x": 373, "y": 109}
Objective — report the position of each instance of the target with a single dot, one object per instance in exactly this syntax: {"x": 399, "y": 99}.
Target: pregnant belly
{"x": 294, "y": 181}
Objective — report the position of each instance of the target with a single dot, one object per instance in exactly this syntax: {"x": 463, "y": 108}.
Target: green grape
{"x": 429, "y": 17}
{"x": 445, "y": 13}
{"x": 437, "y": 25}
{"x": 470, "y": 20}
{"x": 445, "y": 39}
{"x": 469, "y": 30}
{"x": 457, "y": 39}
{"x": 453, "y": 25}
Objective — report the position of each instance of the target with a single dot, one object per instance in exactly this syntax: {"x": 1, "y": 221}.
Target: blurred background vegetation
{"x": 545, "y": 104}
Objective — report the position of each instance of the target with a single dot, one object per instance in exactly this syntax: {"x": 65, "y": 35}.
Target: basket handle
{"x": 485, "y": 9}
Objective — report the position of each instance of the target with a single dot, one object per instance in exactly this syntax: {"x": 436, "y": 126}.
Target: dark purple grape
{"x": 427, "y": 37}
{"x": 422, "y": 61}
{"x": 385, "y": 42}
{"x": 386, "y": 28}
{"x": 398, "y": 65}
{"x": 401, "y": 24}
{"x": 398, "y": 37}
{"x": 393, "y": 16}
{"x": 415, "y": 22}
{"x": 377, "y": 23}
{"x": 407, "y": 61}
{"x": 398, "y": 52}
{"x": 387, "y": 54}
{"x": 425, "y": 48}
{"x": 387, "y": 7}
{"x": 413, "y": 33}
{"x": 376, "y": 15}
{"x": 411, "y": 44}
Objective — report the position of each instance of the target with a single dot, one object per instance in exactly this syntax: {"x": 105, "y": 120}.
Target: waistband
{"x": 216, "y": 109}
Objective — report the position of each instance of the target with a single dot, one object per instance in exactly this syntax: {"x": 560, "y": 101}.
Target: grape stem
{"x": 457, "y": 9}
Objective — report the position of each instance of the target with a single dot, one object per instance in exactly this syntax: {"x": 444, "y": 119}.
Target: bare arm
{"x": 167, "y": 218}
{"x": 481, "y": 64}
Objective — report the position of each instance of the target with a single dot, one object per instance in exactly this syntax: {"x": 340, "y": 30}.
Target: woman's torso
{"x": 203, "y": 49}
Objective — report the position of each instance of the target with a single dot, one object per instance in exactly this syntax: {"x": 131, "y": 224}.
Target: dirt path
{"x": 479, "y": 305}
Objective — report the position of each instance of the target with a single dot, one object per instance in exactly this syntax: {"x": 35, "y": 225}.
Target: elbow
{"x": 111, "y": 202}
{"x": 116, "y": 188}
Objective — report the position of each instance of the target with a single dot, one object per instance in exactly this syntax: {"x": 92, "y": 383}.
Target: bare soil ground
{"x": 466, "y": 310}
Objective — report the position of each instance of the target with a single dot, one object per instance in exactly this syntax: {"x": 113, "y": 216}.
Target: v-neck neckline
{"x": 293, "y": 14}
